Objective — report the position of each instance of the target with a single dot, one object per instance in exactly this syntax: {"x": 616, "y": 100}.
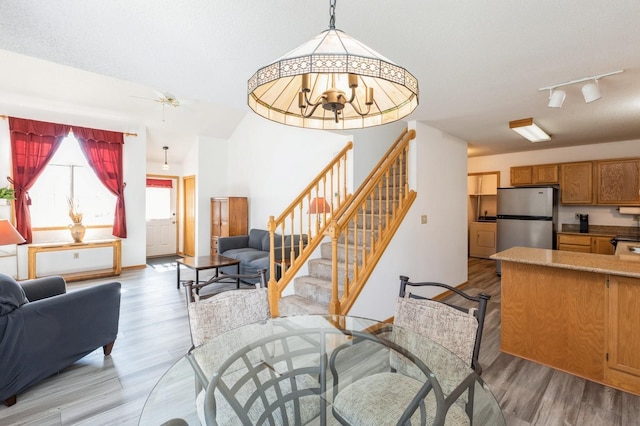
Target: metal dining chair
{"x": 384, "y": 398}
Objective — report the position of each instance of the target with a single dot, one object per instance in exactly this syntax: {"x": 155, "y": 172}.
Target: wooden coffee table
{"x": 202, "y": 263}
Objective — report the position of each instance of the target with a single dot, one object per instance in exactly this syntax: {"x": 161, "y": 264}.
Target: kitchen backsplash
{"x": 603, "y": 229}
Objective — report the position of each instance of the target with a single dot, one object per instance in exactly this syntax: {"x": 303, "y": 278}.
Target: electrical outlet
{"x": 76, "y": 255}
{"x": 423, "y": 219}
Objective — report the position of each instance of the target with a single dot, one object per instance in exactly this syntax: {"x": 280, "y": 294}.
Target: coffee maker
{"x": 584, "y": 223}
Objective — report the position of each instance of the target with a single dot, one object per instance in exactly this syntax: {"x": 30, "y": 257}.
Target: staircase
{"x": 351, "y": 239}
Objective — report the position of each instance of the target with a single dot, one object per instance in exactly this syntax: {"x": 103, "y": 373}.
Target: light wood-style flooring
{"x": 154, "y": 333}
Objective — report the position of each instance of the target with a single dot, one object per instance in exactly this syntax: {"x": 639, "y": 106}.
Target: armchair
{"x": 44, "y": 329}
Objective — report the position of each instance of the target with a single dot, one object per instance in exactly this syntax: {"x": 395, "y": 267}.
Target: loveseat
{"x": 252, "y": 250}
{"x": 44, "y": 329}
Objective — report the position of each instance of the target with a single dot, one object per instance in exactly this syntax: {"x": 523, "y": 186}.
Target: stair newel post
{"x": 333, "y": 232}
{"x": 274, "y": 291}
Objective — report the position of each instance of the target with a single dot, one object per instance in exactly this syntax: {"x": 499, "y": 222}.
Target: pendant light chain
{"x": 332, "y": 14}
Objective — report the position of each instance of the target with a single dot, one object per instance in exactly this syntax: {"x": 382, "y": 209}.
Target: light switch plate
{"x": 423, "y": 219}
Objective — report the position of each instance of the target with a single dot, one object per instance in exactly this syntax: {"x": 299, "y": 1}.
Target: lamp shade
{"x": 323, "y": 71}
{"x": 9, "y": 234}
{"x": 591, "y": 92}
{"x": 557, "y": 98}
{"x": 319, "y": 205}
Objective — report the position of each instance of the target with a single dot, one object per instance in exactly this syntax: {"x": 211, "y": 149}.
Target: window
{"x": 158, "y": 203}
{"x": 67, "y": 176}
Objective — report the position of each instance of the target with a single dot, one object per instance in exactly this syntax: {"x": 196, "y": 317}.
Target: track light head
{"x": 556, "y": 98}
{"x": 591, "y": 92}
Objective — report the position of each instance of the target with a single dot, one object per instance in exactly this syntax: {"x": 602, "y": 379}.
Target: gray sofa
{"x": 44, "y": 329}
{"x": 252, "y": 250}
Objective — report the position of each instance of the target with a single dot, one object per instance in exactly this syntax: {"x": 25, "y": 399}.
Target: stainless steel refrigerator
{"x": 527, "y": 217}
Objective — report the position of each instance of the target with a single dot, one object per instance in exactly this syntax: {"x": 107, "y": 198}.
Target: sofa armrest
{"x": 230, "y": 243}
{"x": 42, "y": 288}
{"x": 69, "y": 326}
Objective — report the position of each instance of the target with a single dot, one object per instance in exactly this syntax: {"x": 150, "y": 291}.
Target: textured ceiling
{"x": 479, "y": 64}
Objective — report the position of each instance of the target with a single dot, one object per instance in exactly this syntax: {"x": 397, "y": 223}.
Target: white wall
{"x": 369, "y": 145}
{"x": 271, "y": 163}
{"x": 436, "y": 251}
{"x": 598, "y": 215}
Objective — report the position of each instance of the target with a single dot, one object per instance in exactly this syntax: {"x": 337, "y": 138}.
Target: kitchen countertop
{"x": 627, "y": 265}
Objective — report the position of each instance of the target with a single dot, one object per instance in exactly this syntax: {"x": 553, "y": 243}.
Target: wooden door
{"x": 189, "y": 234}
{"x": 623, "y": 356}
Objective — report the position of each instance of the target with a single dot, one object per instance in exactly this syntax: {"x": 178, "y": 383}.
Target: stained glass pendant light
{"x": 333, "y": 82}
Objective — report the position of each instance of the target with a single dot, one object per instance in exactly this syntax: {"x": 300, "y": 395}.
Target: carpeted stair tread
{"x": 296, "y": 305}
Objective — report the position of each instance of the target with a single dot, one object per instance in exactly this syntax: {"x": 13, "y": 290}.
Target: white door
{"x": 161, "y": 219}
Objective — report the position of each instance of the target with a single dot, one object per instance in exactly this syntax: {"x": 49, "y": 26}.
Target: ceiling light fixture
{"x": 355, "y": 86}
{"x": 590, "y": 91}
{"x": 528, "y": 129}
{"x": 556, "y": 98}
{"x": 165, "y": 166}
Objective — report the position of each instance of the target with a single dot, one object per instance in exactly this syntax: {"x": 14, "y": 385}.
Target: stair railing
{"x": 368, "y": 223}
{"x": 300, "y": 229}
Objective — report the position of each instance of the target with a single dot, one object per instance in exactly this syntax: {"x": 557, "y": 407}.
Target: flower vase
{"x": 77, "y": 232}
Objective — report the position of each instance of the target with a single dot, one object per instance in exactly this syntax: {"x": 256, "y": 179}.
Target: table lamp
{"x": 9, "y": 235}
{"x": 319, "y": 206}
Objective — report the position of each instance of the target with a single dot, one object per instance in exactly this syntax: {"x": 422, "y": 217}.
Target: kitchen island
{"x": 576, "y": 312}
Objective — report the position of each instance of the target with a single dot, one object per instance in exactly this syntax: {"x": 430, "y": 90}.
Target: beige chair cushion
{"x": 226, "y": 311}
{"x": 382, "y": 398}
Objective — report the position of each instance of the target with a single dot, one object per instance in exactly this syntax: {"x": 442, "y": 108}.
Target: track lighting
{"x": 556, "y": 98}
{"x": 590, "y": 91}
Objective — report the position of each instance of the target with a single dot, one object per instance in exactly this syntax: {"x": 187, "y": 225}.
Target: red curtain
{"x": 159, "y": 183}
{"x": 103, "y": 150}
{"x": 33, "y": 143}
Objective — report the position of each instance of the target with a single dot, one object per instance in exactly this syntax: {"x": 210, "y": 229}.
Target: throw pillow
{"x": 12, "y": 295}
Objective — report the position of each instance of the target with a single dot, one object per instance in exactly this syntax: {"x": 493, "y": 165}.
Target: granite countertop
{"x": 627, "y": 265}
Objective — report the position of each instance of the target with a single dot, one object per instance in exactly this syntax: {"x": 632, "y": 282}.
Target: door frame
{"x": 186, "y": 215}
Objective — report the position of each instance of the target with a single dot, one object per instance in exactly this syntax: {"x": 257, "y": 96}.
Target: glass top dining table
{"x": 290, "y": 370}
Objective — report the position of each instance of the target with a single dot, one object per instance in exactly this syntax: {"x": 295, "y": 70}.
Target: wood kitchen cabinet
{"x": 618, "y": 182}
{"x": 586, "y": 243}
{"x": 574, "y": 320}
{"x": 545, "y": 174}
{"x": 602, "y": 245}
{"x": 623, "y": 358}
{"x": 539, "y": 174}
{"x": 521, "y": 175}
{"x": 576, "y": 183}
{"x": 482, "y": 239}
{"x": 229, "y": 217}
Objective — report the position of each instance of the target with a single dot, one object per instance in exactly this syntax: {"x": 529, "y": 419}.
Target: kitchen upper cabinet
{"x": 545, "y": 174}
{"x": 623, "y": 358}
{"x": 539, "y": 174}
{"x": 576, "y": 183}
{"x": 618, "y": 182}
{"x": 521, "y": 175}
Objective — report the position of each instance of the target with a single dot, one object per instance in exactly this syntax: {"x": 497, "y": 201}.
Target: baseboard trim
{"x": 128, "y": 268}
